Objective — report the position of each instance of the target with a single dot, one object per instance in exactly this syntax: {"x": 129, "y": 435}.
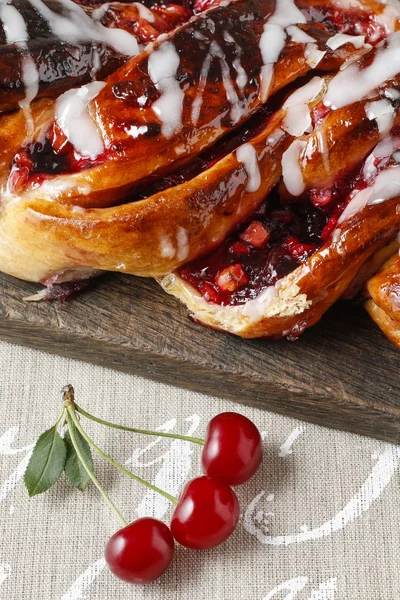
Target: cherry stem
{"x": 175, "y": 436}
{"x": 71, "y": 410}
{"x": 71, "y": 421}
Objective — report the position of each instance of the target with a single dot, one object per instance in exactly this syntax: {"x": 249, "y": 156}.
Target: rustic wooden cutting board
{"x": 342, "y": 373}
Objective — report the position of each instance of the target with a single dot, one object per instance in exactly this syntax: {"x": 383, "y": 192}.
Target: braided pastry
{"x": 247, "y": 156}
{"x": 383, "y": 304}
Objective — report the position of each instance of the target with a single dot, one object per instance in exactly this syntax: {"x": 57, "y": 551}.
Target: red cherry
{"x": 207, "y": 514}
{"x": 232, "y": 278}
{"x": 233, "y": 449}
{"x": 256, "y": 234}
{"x": 140, "y": 552}
{"x": 239, "y": 248}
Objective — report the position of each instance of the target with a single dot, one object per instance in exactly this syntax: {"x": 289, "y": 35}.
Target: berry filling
{"x": 281, "y": 235}
{"x": 54, "y": 154}
{"x": 353, "y": 21}
{"x": 164, "y": 18}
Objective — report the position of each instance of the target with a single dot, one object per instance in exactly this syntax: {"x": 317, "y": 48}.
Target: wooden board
{"x": 342, "y": 373}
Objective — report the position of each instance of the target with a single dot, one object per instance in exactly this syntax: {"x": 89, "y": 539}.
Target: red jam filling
{"x": 352, "y": 21}
{"x": 166, "y": 17}
{"x": 276, "y": 239}
{"x": 51, "y": 156}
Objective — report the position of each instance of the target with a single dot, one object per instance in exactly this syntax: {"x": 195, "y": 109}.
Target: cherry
{"x": 232, "y": 278}
{"x": 256, "y": 234}
{"x": 206, "y": 515}
{"x": 140, "y": 552}
{"x": 233, "y": 449}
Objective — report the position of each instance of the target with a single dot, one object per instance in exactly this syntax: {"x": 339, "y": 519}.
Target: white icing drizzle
{"x": 392, "y": 94}
{"x": 215, "y": 51}
{"x": 388, "y": 17}
{"x": 136, "y": 131}
{"x": 298, "y": 36}
{"x": 256, "y": 307}
{"x": 96, "y": 63}
{"x": 346, "y": 4}
{"x": 30, "y": 78}
{"x": 323, "y": 149}
{"x": 266, "y": 77}
{"x": 236, "y": 111}
{"x": 166, "y": 248}
{"x": 313, "y": 55}
{"x": 369, "y": 168}
{"x": 241, "y": 78}
{"x": 210, "y": 25}
{"x": 385, "y": 186}
{"x": 99, "y": 12}
{"x": 198, "y": 101}
{"x": 163, "y": 65}
{"x": 144, "y": 12}
{"x": 247, "y": 155}
{"x": 16, "y": 33}
{"x": 298, "y": 118}
{"x": 383, "y": 112}
{"x": 14, "y": 25}
{"x": 228, "y": 38}
{"x": 396, "y": 156}
{"x": 353, "y": 83}
{"x": 79, "y": 27}
{"x": 291, "y": 169}
{"x": 338, "y": 40}
{"x": 273, "y": 38}
{"x": 385, "y": 149}
{"x": 72, "y": 117}
{"x": 199, "y": 36}
{"x": 274, "y": 138}
{"x": 182, "y": 239}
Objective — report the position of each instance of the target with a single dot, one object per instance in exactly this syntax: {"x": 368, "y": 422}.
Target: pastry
{"x": 246, "y": 157}
{"x": 383, "y": 303}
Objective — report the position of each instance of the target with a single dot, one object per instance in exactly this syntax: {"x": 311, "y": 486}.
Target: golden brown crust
{"x": 131, "y": 158}
{"x": 389, "y": 326}
{"x": 149, "y": 237}
{"x": 14, "y": 131}
{"x": 300, "y": 299}
{"x": 154, "y": 236}
{"x": 384, "y": 288}
{"x": 370, "y": 267}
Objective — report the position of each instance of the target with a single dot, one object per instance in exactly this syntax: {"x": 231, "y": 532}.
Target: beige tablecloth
{"x": 320, "y": 521}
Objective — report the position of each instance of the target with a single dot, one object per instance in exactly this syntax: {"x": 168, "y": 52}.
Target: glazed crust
{"x": 75, "y": 224}
{"x": 154, "y": 236}
{"x": 383, "y": 304}
{"x": 148, "y": 237}
{"x": 75, "y": 63}
{"x": 136, "y": 148}
{"x": 62, "y": 65}
{"x": 389, "y": 326}
{"x": 301, "y": 298}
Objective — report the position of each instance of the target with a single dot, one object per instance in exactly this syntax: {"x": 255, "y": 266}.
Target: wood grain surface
{"x": 342, "y": 373}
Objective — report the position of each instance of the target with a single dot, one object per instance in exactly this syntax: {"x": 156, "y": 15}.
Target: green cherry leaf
{"x": 46, "y": 463}
{"x": 74, "y": 469}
